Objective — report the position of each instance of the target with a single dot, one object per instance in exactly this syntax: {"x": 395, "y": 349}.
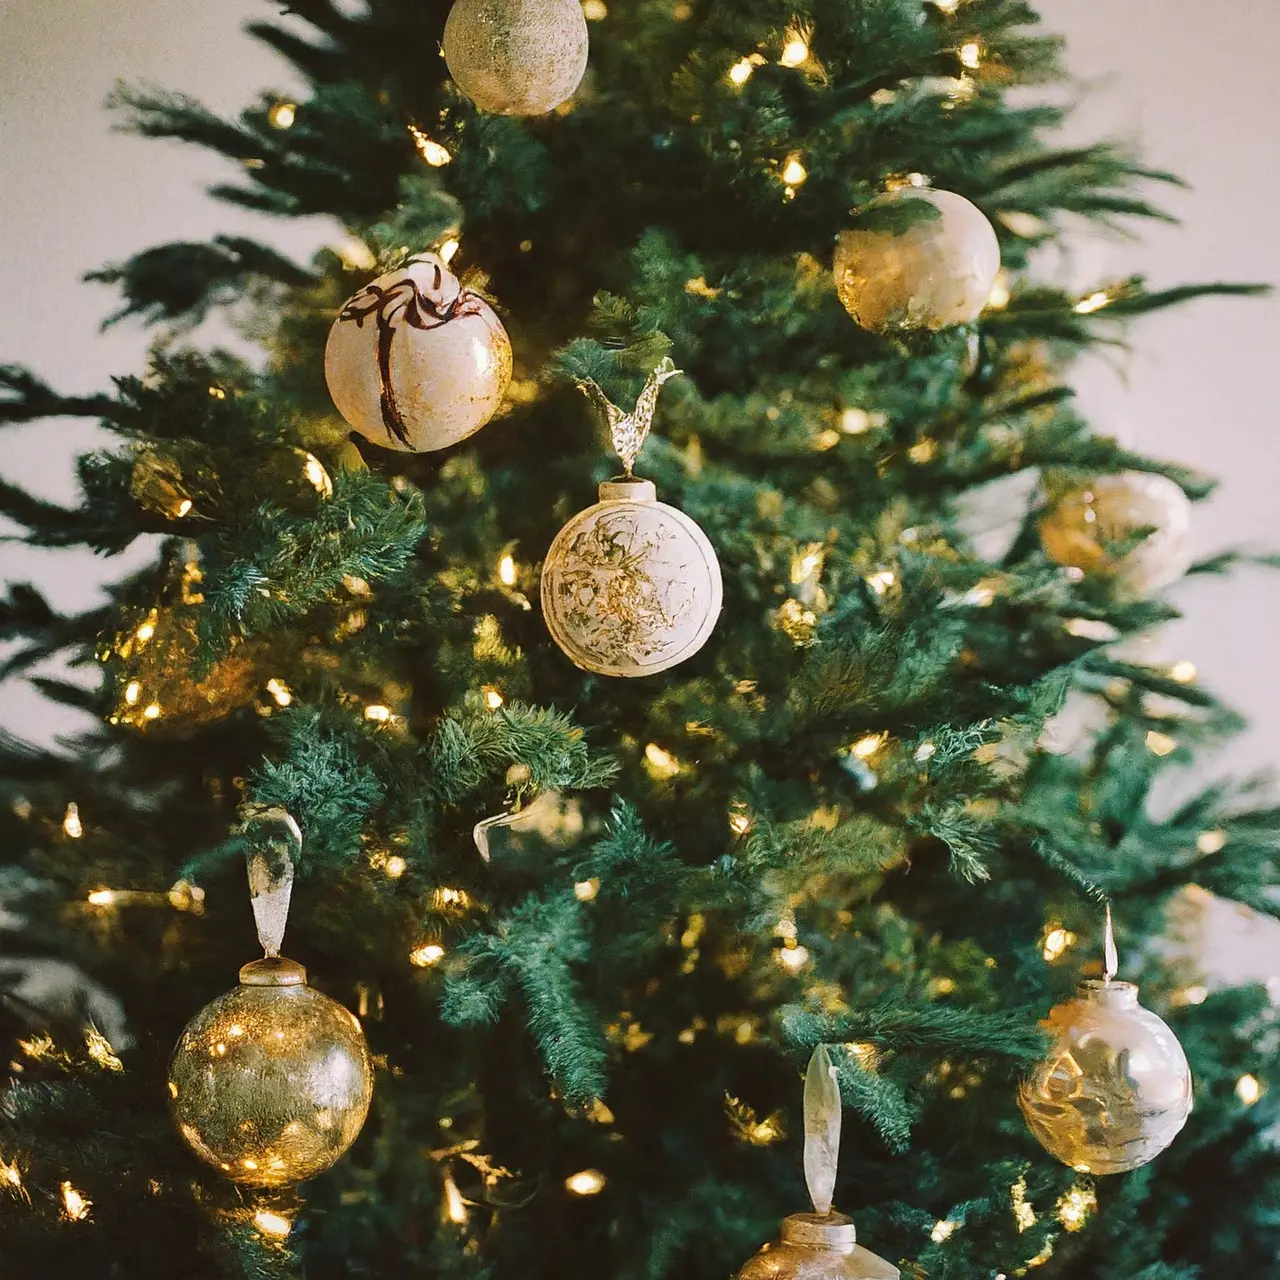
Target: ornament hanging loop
{"x": 272, "y": 848}
{"x": 629, "y": 431}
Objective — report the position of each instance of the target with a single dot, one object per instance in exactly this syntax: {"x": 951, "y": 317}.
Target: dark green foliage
{"x": 838, "y": 824}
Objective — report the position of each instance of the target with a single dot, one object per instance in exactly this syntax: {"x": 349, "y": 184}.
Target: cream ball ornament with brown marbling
{"x": 917, "y": 259}
{"x": 516, "y": 57}
{"x": 415, "y": 361}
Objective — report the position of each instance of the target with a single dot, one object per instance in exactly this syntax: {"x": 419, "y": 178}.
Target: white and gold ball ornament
{"x": 516, "y": 57}
{"x": 270, "y": 1084}
{"x": 1115, "y": 1089}
{"x": 1134, "y": 528}
{"x": 921, "y": 259}
{"x": 631, "y": 586}
{"x": 415, "y": 361}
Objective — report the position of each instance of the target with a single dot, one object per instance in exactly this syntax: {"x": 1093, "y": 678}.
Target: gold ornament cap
{"x": 1110, "y": 992}
{"x": 832, "y": 1231}
{"x": 273, "y": 971}
{"x": 628, "y": 489}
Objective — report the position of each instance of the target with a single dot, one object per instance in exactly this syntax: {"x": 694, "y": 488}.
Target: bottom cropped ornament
{"x": 271, "y": 1082}
{"x": 1115, "y": 1089}
{"x": 822, "y": 1245}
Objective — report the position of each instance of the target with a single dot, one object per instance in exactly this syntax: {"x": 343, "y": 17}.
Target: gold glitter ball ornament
{"x": 415, "y": 362}
{"x": 516, "y": 57}
{"x": 1134, "y": 528}
{"x": 271, "y": 1083}
{"x": 1115, "y": 1089}
{"x": 631, "y": 586}
{"x": 814, "y": 1247}
{"x": 917, "y": 259}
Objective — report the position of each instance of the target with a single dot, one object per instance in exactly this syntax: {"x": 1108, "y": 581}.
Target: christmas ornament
{"x": 516, "y": 57}
{"x": 1134, "y": 528}
{"x": 1115, "y": 1089}
{"x": 416, "y": 362}
{"x": 917, "y": 259}
{"x": 821, "y": 1245}
{"x": 271, "y": 1083}
{"x": 631, "y": 586}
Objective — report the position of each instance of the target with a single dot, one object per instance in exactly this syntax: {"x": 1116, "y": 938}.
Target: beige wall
{"x": 1195, "y": 82}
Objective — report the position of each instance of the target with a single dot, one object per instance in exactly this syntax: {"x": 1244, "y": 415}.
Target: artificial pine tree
{"x": 838, "y": 823}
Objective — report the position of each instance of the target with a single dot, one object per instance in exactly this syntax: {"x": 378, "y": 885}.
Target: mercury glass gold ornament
{"x": 516, "y": 57}
{"x": 917, "y": 259}
{"x": 271, "y": 1083}
{"x": 416, "y": 362}
{"x": 822, "y": 1245}
{"x": 1134, "y": 528}
{"x": 1115, "y": 1089}
{"x": 630, "y": 586}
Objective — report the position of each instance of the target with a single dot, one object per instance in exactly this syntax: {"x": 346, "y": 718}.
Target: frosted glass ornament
{"x": 631, "y": 586}
{"x": 270, "y": 1083}
{"x": 924, "y": 259}
{"x": 1115, "y": 1088}
{"x": 415, "y": 362}
{"x": 1098, "y": 528}
{"x": 516, "y": 57}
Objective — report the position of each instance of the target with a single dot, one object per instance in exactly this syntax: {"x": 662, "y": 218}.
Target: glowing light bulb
{"x": 882, "y": 581}
{"x": 394, "y": 867}
{"x": 283, "y": 114}
{"x": 866, "y": 747}
{"x": 426, "y": 955}
{"x": 75, "y": 1206}
{"x": 943, "y": 1229}
{"x": 72, "y": 827}
{"x": 455, "y": 1208}
{"x": 102, "y": 897}
{"x": 280, "y": 692}
{"x": 590, "y": 1182}
{"x": 793, "y": 172}
{"x": 1094, "y": 302}
{"x": 317, "y": 476}
{"x": 795, "y": 51}
{"x": 855, "y": 422}
{"x": 793, "y": 958}
{"x": 1184, "y": 672}
{"x": 507, "y": 571}
{"x": 493, "y": 699}
{"x": 741, "y": 71}
{"x": 132, "y": 692}
{"x": 660, "y": 762}
{"x": 431, "y": 151}
{"x": 586, "y": 890}
{"x": 1248, "y": 1089}
{"x": 739, "y": 823}
{"x": 151, "y": 711}
{"x": 275, "y": 1225}
{"x": 1208, "y": 842}
{"x": 971, "y": 54}
{"x": 377, "y": 713}
{"x": 1160, "y": 744}
{"x": 1056, "y": 941}
{"x": 449, "y": 249}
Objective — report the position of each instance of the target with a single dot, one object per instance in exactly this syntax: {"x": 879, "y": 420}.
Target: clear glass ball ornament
{"x": 917, "y": 259}
{"x": 1115, "y": 1088}
{"x": 1134, "y": 528}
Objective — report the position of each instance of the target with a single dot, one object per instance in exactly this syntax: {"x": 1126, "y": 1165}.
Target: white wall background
{"x": 1193, "y": 83}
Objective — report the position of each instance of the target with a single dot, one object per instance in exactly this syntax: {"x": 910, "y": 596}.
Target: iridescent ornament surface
{"x": 1134, "y": 527}
{"x": 271, "y": 1083}
{"x": 630, "y": 586}
{"x": 516, "y": 57}
{"x": 922, "y": 259}
{"x": 817, "y": 1247}
{"x": 1115, "y": 1089}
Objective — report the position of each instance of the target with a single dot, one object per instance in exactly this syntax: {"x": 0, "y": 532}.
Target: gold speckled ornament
{"x": 516, "y": 57}
{"x": 1098, "y": 528}
{"x": 415, "y": 361}
{"x": 271, "y": 1083}
{"x": 1115, "y": 1089}
{"x": 927, "y": 271}
{"x": 631, "y": 586}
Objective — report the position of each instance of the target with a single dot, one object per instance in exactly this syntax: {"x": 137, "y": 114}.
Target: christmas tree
{"x": 594, "y": 926}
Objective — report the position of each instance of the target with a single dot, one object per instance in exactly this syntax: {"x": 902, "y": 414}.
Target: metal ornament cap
{"x": 631, "y": 586}
{"x": 818, "y": 1247}
{"x": 273, "y": 971}
{"x": 1115, "y": 1088}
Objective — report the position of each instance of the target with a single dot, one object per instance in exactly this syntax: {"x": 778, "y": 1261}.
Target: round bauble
{"x": 271, "y": 1083}
{"x": 814, "y": 1247}
{"x": 631, "y": 586}
{"x": 1134, "y": 528}
{"x": 917, "y": 259}
{"x": 416, "y": 362}
{"x": 516, "y": 57}
{"x": 1115, "y": 1089}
